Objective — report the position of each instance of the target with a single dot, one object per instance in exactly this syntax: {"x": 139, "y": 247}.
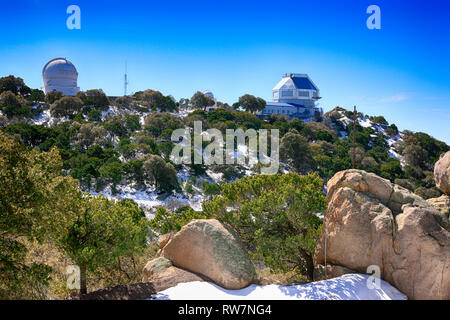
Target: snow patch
{"x": 346, "y": 287}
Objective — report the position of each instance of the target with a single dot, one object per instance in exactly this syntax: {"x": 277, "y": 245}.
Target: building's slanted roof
{"x": 303, "y": 83}
{"x": 295, "y": 81}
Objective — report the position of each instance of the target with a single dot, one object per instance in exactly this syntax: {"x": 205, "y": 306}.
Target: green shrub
{"x": 12, "y": 105}
{"x": 66, "y": 107}
{"x": 275, "y": 217}
{"x": 166, "y": 221}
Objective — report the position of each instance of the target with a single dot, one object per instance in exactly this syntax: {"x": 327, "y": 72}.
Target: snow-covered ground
{"x": 365, "y": 123}
{"x": 149, "y": 200}
{"x": 346, "y": 287}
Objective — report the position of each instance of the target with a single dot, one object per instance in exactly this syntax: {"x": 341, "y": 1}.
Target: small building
{"x": 60, "y": 74}
{"x": 294, "y": 96}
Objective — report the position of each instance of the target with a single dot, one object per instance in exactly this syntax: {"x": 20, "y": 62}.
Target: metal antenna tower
{"x": 125, "y": 80}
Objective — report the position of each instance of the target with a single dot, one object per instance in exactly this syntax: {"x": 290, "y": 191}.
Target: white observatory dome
{"x": 60, "y": 75}
{"x": 209, "y": 94}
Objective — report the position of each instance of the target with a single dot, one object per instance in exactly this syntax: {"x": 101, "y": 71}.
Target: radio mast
{"x": 125, "y": 80}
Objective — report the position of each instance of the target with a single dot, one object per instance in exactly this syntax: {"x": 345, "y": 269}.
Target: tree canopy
{"x": 201, "y": 101}
{"x": 252, "y": 103}
{"x": 275, "y": 215}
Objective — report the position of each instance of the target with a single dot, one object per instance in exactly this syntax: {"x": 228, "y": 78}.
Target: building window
{"x": 302, "y": 93}
{"x": 287, "y": 93}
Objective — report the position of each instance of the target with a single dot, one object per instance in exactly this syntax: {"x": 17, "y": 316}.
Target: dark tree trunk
{"x": 83, "y": 285}
{"x": 308, "y": 263}
{"x": 309, "y": 267}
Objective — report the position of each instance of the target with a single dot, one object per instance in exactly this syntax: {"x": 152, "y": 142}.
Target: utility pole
{"x": 354, "y": 141}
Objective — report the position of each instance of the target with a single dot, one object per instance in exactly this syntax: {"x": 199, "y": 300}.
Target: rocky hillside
{"x": 106, "y": 142}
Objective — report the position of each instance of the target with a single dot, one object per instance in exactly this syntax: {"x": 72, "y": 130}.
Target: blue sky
{"x": 235, "y": 47}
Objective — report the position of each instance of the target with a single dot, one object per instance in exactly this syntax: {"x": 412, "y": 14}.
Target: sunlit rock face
{"x": 60, "y": 75}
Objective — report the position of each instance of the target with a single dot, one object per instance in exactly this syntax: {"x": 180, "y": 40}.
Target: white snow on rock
{"x": 346, "y": 287}
{"x": 365, "y": 123}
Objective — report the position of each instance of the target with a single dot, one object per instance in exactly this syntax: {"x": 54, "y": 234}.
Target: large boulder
{"x": 163, "y": 274}
{"x": 442, "y": 173}
{"x": 370, "y": 221}
{"x": 385, "y": 192}
{"x": 155, "y": 268}
{"x": 213, "y": 250}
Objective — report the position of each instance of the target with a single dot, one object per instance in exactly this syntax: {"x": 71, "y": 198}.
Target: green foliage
{"x": 380, "y": 120}
{"x": 133, "y": 169}
{"x": 156, "y": 101}
{"x": 36, "y": 95}
{"x": 98, "y": 231}
{"x": 324, "y": 135}
{"x": 132, "y": 123}
{"x": 415, "y": 155}
{"x": 392, "y": 130}
{"x": 229, "y": 172}
{"x": 94, "y": 98}
{"x": 111, "y": 172}
{"x": 66, "y": 107}
{"x": 295, "y": 150}
{"x": 201, "y": 101}
{"x": 14, "y": 105}
{"x": 15, "y": 85}
{"x": 126, "y": 148}
{"x": 211, "y": 189}
{"x": 421, "y": 150}
{"x": 166, "y": 221}
{"x": 252, "y": 103}
{"x": 53, "y": 96}
{"x": 156, "y": 123}
{"x": 160, "y": 173}
{"x": 31, "y": 135}
{"x": 246, "y": 120}
{"x": 31, "y": 191}
{"x": 433, "y": 147}
{"x": 391, "y": 170}
{"x": 219, "y": 115}
{"x": 189, "y": 188}
{"x": 275, "y": 217}
{"x": 89, "y": 134}
{"x": 94, "y": 115}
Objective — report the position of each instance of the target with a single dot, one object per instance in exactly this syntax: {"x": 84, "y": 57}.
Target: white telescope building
{"x": 60, "y": 74}
{"x": 294, "y": 96}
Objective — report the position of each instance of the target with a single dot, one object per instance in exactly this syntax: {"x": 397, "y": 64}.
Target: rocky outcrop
{"x": 370, "y": 221}
{"x": 442, "y": 173}
{"x": 209, "y": 248}
{"x": 161, "y": 268}
{"x": 441, "y": 203}
{"x": 154, "y": 268}
{"x": 165, "y": 238}
{"x": 385, "y": 192}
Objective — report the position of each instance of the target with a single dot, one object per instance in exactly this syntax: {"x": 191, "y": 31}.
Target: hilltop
{"x": 105, "y": 142}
